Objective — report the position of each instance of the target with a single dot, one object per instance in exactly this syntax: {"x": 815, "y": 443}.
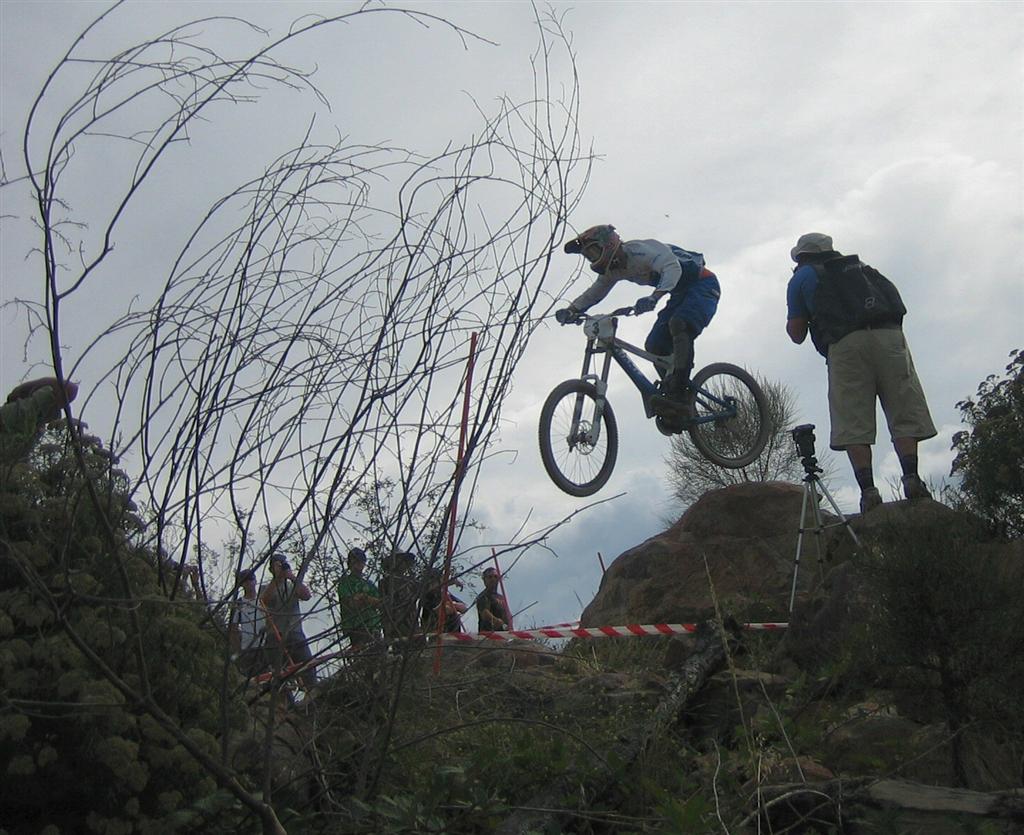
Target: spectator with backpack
{"x": 692, "y": 289}
{"x": 854, "y": 315}
{"x": 399, "y": 591}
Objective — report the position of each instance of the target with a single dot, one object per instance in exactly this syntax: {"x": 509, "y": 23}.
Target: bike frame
{"x": 722, "y": 408}
{"x": 601, "y": 339}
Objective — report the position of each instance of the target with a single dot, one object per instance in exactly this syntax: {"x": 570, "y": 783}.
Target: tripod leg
{"x": 819, "y": 527}
{"x": 799, "y": 545}
{"x": 839, "y": 513}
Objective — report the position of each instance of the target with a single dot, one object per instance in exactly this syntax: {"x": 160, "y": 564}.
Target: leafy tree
{"x": 691, "y": 475}
{"x": 81, "y": 749}
{"x": 309, "y": 335}
{"x": 990, "y": 455}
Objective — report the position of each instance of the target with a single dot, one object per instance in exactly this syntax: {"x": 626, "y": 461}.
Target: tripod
{"x": 804, "y": 437}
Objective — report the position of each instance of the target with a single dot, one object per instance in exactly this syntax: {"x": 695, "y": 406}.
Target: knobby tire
{"x": 737, "y": 441}
{"x": 578, "y": 469}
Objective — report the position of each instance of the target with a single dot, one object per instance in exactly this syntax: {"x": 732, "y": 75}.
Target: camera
{"x": 803, "y": 437}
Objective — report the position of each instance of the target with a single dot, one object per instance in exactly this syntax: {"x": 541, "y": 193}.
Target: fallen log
{"x": 904, "y": 794}
{"x": 891, "y": 794}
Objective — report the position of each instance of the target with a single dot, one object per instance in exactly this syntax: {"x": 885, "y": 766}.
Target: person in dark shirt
{"x": 491, "y": 609}
{"x": 398, "y": 590}
{"x": 436, "y": 596}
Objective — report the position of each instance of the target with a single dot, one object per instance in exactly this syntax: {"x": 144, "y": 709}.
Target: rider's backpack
{"x": 686, "y": 255}
{"x": 851, "y": 296}
{"x": 691, "y": 262}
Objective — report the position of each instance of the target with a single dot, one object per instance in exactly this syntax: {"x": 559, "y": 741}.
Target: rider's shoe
{"x": 675, "y": 405}
{"x": 670, "y": 426}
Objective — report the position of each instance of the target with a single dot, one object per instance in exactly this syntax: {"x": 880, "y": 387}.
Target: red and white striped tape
{"x": 627, "y": 631}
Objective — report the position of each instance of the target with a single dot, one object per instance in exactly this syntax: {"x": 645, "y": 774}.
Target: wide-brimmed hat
{"x": 813, "y": 243}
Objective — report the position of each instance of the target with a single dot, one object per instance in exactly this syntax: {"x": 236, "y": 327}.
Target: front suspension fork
{"x": 600, "y": 384}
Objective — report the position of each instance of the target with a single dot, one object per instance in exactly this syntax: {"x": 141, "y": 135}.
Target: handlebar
{"x": 583, "y": 316}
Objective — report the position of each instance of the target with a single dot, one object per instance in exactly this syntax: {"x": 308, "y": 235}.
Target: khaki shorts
{"x": 867, "y": 364}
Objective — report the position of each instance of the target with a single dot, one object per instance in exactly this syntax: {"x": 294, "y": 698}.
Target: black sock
{"x": 909, "y": 464}
{"x": 865, "y": 478}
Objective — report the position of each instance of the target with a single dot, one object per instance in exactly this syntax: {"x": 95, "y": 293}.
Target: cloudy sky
{"x": 726, "y": 127}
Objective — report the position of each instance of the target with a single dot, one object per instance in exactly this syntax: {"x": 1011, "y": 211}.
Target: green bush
{"x": 76, "y": 751}
{"x": 990, "y": 455}
{"x": 947, "y": 623}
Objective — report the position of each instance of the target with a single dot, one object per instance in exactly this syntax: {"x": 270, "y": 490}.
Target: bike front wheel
{"x": 579, "y": 438}
{"x": 735, "y": 424}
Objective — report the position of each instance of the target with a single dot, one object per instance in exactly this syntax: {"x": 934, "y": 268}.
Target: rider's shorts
{"x": 695, "y": 303}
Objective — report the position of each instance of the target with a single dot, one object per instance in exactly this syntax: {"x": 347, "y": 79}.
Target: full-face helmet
{"x": 598, "y": 244}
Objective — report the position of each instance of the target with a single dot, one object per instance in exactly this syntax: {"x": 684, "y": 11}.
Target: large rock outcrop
{"x": 746, "y": 535}
{"x": 741, "y": 542}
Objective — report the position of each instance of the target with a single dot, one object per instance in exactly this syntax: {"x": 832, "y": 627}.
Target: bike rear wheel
{"x": 731, "y": 441}
{"x": 568, "y": 422}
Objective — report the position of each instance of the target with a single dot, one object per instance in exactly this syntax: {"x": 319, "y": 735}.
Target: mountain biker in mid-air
{"x": 692, "y": 289}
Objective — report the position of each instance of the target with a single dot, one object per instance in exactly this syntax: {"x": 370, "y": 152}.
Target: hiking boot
{"x": 913, "y": 488}
{"x": 870, "y": 499}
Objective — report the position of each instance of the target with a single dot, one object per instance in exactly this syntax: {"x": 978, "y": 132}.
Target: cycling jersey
{"x": 648, "y": 263}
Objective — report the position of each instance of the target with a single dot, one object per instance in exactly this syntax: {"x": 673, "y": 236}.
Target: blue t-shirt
{"x": 800, "y": 292}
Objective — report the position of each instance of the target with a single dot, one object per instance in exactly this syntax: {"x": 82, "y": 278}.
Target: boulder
{"x": 747, "y": 535}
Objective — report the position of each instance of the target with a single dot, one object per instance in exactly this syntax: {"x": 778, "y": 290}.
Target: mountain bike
{"x": 579, "y": 436}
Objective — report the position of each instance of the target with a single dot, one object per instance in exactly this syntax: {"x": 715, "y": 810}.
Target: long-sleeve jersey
{"x": 649, "y": 263}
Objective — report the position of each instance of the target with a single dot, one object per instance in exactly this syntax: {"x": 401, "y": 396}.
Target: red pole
{"x": 460, "y": 466}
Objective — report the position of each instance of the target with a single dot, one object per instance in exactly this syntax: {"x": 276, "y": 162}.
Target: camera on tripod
{"x": 814, "y": 489}
{"x": 803, "y": 437}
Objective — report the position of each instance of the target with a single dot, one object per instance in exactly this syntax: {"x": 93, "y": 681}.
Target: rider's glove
{"x": 645, "y": 304}
{"x": 566, "y": 315}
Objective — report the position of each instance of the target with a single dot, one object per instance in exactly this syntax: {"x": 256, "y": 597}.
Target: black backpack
{"x": 851, "y": 296}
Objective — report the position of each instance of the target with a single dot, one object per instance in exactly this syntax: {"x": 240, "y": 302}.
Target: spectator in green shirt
{"x": 359, "y": 602}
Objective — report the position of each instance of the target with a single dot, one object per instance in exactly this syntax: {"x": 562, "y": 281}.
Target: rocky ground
{"x": 807, "y": 729}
